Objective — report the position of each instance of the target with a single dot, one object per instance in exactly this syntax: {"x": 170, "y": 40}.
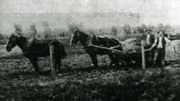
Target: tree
{"x": 160, "y": 27}
{"x": 47, "y": 30}
{"x": 127, "y": 29}
{"x": 142, "y": 29}
{"x": 114, "y": 31}
{"x": 2, "y": 39}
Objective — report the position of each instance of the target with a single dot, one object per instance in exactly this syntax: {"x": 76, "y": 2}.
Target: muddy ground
{"x": 79, "y": 81}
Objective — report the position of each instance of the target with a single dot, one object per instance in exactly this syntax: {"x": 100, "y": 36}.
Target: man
{"x": 18, "y": 29}
{"x": 33, "y": 31}
{"x": 150, "y": 38}
{"x": 159, "y": 47}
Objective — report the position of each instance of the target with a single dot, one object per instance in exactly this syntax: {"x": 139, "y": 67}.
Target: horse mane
{"x": 83, "y": 33}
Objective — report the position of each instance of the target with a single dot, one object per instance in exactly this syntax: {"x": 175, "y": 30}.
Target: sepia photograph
{"x": 89, "y": 50}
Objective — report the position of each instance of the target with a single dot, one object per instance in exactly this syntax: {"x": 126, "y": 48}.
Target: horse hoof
{"x": 92, "y": 65}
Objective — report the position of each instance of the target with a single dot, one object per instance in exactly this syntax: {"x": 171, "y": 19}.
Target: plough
{"x": 114, "y": 50}
{"x": 106, "y": 48}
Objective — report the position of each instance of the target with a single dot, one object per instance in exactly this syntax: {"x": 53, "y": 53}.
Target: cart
{"x": 129, "y": 56}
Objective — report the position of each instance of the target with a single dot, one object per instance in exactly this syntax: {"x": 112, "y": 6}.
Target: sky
{"x": 44, "y": 6}
{"x": 151, "y": 11}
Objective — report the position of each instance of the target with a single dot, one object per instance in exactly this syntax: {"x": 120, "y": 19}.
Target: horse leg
{"x": 57, "y": 65}
{"x": 114, "y": 60}
{"x": 55, "y": 62}
{"x": 35, "y": 64}
{"x": 94, "y": 59}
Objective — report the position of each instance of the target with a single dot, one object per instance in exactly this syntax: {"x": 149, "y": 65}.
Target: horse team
{"x": 34, "y": 48}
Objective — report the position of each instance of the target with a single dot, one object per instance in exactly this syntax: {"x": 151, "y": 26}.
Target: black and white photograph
{"x": 89, "y": 50}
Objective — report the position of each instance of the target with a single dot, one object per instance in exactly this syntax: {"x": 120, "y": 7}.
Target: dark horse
{"x": 86, "y": 40}
{"x": 37, "y": 48}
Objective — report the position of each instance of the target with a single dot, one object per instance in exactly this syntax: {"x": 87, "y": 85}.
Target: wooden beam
{"x": 143, "y": 55}
{"x": 106, "y": 48}
{"x": 52, "y": 61}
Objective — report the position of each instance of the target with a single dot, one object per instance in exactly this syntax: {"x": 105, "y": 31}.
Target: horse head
{"x": 76, "y": 37}
{"x": 13, "y": 39}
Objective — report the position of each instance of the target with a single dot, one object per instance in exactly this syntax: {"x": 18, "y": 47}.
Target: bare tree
{"x": 47, "y": 30}
{"x": 127, "y": 29}
{"x": 114, "y": 31}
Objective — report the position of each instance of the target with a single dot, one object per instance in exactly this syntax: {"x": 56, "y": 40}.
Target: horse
{"x": 37, "y": 48}
{"x": 86, "y": 40}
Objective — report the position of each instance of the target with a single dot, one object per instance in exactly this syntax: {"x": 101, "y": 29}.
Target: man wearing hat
{"x": 33, "y": 31}
{"x": 150, "y": 38}
{"x": 159, "y": 46}
{"x": 18, "y": 29}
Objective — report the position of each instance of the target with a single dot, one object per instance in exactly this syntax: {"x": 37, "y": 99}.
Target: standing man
{"x": 18, "y": 29}
{"x": 150, "y": 38}
{"x": 160, "y": 48}
{"x": 47, "y": 31}
{"x": 33, "y": 31}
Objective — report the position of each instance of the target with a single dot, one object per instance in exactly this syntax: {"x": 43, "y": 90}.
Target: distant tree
{"x": 1, "y": 36}
{"x": 168, "y": 28}
{"x": 160, "y": 27}
{"x": 2, "y": 39}
{"x": 151, "y": 27}
{"x": 144, "y": 28}
{"x": 114, "y": 31}
{"x": 135, "y": 30}
{"x": 140, "y": 29}
{"x": 47, "y": 30}
{"x": 127, "y": 29}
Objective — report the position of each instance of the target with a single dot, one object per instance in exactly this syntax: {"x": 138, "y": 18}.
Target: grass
{"x": 106, "y": 84}
{"x": 79, "y": 81}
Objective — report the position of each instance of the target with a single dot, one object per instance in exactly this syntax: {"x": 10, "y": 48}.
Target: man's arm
{"x": 167, "y": 41}
{"x": 153, "y": 45}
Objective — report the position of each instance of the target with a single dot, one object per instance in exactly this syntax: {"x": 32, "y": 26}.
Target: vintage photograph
{"x": 89, "y": 50}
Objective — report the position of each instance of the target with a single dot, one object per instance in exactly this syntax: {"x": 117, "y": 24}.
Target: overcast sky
{"x": 152, "y": 10}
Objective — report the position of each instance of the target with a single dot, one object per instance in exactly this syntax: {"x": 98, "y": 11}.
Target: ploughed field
{"x": 79, "y": 81}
